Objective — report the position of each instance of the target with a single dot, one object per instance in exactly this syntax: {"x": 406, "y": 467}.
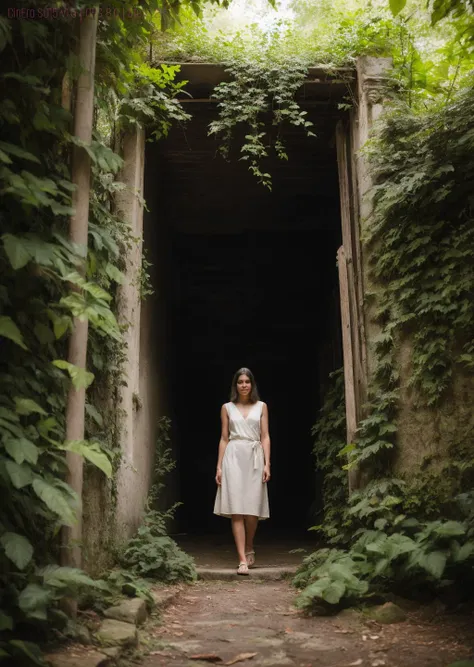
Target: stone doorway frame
{"x": 358, "y": 325}
{"x": 136, "y": 428}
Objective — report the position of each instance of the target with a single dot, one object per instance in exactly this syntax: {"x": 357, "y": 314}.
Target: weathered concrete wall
{"x": 134, "y": 474}
{"x": 155, "y": 371}
{"x": 113, "y": 509}
{"x": 425, "y": 435}
{"x": 98, "y": 508}
{"x": 428, "y": 437}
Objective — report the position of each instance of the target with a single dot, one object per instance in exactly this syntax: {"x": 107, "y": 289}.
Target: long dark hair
{"x": 234, "y": 394}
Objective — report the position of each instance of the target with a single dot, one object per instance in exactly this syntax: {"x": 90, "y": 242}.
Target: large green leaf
{"x": 464, "y": 552}
{"x": 450, "y": 529}
{"x": 58, "y": 577}
{"x": 94, "y": 414}
{"x": 6, "y": 413}
{"x": 20, "y": 475}
{"x": 7, "y": 425}
{"x": 34, "y": 601}
{"x": 17, "y": 548}
{"x": 334, "y": 592}
{"x": 96, "y": 291}
{"x": 8, "y": 329}
{"x": 17, "y": 151}
{"x": 114, "y": 273}
{"x": 46, "y": 426}
{"x": 26, "y": 406}
{"x": 17, "y": 251}
{"x": 396, "y": 6}
{"x": 55, "y": 500}
{"x": 43, "y": 333}
{"x": 79, "y": 376}
{"x": 92, "y": 452}
{"x": 22, "y": 449}
{"x": 434, "y": 563}
{"x": 28, "y": 649}
{"x": 61, "y": 323}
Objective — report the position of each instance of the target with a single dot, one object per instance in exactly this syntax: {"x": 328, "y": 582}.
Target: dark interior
{"x": 250, "y": 279}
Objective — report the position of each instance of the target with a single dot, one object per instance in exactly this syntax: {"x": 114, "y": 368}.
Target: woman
{"x": 243, "y": 465}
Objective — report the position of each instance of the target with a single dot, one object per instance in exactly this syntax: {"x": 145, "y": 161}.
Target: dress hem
{"x": 229, "y": 516}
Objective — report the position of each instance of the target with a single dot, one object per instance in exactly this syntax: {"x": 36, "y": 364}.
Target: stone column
{"x": 427, "y": 438}
{"x": 131, "y": 491}
{"x": 371, "y": 79}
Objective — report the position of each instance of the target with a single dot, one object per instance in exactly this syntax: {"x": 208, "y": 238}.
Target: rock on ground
{"x": 117, "y": 633}
{"x": 389, "y": 613}
{"x": 129, "y": 611}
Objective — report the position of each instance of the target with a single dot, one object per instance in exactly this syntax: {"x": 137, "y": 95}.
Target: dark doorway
{"x": 251, "y": 281}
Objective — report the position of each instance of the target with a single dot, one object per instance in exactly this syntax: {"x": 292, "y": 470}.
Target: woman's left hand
{"x": 266, "y": 474}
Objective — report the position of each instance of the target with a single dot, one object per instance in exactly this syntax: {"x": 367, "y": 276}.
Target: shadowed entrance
{"x": 250, "y": 280}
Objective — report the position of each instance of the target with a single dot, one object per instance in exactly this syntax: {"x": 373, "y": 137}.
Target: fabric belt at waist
{"x": 255, "y": 448}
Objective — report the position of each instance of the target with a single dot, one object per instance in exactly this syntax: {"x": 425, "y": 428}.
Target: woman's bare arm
{"x": 223, "y": 442}
{"x": 265, "y": 438}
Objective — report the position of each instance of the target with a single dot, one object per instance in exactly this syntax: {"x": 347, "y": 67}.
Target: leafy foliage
{"x": 422, "y": 211}
{"x": 255, "y": 91}
{"x": 330, "y": 432}
{"x": 267, "y": 64}
{"x": 152, "y": 553}
{"x": 38, "y": 266}
{"x": 414, "y": 534}
{"x": 390, "y": 549}
{"x": 42, "y": 289}
{"x": 431, "y": 59}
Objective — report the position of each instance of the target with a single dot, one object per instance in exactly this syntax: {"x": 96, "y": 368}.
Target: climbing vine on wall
{"x": 330, "y": 437}
{"x": 411, "y": 533}
{"x": 38, "y": 265}
{"x": 421, "y": 241}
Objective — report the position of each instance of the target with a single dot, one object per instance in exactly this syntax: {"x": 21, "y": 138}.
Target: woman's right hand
{"x": 219, "y": 477}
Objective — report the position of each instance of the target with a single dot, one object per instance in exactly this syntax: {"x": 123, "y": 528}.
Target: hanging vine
{"x": 260, "y": 99}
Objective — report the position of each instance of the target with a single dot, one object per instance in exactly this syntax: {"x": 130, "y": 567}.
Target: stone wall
{"x": 429, "y": 437}
{"x": 98, "y": 522}
{"x": 425, "y": 436}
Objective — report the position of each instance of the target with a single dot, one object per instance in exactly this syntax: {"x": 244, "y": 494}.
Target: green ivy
{"x": 330, "y": 432}
{"x": 256, "y": 92}
{"x": 39, "y": 271}
{"x": 421, "y": 244}
{"x": 417, "y": 533}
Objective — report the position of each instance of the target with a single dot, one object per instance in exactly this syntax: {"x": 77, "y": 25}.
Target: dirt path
{"x": 227, "y": 619}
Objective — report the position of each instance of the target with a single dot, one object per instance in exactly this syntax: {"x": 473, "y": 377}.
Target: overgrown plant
{"x": 415, "y": 534}
{"x": 391, "y": 550}
{"x": 260, "y": 99}
{"x": 152, "y": 553}
{"x": 37, "y": 268}
{"x": 424, "y": 267}
{"x": 330, "y": 437}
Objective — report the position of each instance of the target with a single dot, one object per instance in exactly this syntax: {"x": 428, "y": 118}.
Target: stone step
{"x": 255, "y": 574}
{"x": 130, "y": 611}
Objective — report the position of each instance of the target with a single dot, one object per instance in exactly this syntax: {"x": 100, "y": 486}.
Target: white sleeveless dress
{"x": 242, "y": 490}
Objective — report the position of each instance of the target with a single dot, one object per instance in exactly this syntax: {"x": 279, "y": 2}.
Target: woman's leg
{"x": 238, "y": 530}
{"x": 251, "y": 523}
